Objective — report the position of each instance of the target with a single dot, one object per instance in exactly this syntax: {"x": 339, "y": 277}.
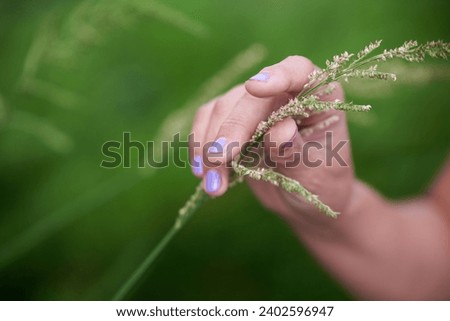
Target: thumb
{"x": 282, "y": 145}
{"x": 318, "y": 156}
{"x": 295, "y": 151}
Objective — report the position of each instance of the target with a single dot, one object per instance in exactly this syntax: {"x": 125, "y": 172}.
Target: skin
{"x": 378, "y": 249}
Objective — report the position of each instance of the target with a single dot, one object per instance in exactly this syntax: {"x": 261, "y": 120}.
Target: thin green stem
{"x": 139, "y": 272}
{"x": 185, "y": 213}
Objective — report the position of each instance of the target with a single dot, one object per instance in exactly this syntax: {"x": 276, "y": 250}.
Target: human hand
{"x": 315, "y": 151}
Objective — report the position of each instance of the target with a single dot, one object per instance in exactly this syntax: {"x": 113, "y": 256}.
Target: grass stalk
{"x": 184, "y": 214}
{"x": 139, "y": 272}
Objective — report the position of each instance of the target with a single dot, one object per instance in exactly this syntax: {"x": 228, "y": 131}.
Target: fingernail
{"x": 217, "y": 146}
{"x": 262, "y": 76}
{"x": 197, "y": 165}
{"x": 294, "y": 136}
{"x": 290, "y": 142}
{"x": 213, "y": 181}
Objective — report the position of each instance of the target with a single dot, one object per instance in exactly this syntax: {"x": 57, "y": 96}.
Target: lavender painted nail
{"x": 213, "y": 181}
{"x": 197, "y": 165}
{"x": 262, "y": 76}
{"x": 218, "y": 145}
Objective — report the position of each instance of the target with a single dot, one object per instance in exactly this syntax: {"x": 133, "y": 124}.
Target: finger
{"x": 312, "y": 162}
{"x": 285, "y": 156}
{"x": 238, "y": 127}
{"x": 215, "y": 180}
{"x": 222, "y": 109}
{"x": 281, "y": 143}
{"x": 197, "y": 136}
{"x": 201, "y": 126}
{"x": 233, "y": 132}
{"x": 242, "y": 121}
{"x": 288, "y": 76}
{"x": 315, "y": 126}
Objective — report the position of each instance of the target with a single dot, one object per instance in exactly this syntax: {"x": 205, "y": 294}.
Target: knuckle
{"x": 233, "y": 124}
{"x": 221, "y": 109}
{"x": 300, "y": 60}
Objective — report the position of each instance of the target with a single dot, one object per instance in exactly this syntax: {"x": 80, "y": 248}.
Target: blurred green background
{"x": 76, "y": 74}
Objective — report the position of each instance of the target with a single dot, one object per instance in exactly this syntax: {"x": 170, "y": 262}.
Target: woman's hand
{"x": 314, "y": 151}
{"x": 376, "y": 248}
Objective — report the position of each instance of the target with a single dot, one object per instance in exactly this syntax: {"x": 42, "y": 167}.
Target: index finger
{"x": 288, "y": 76}
{"x": 273, "y": 84}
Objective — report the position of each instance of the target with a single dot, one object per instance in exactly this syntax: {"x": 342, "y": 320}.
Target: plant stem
{"x": 185, "y": 213}
{"x": 138, "y": 273}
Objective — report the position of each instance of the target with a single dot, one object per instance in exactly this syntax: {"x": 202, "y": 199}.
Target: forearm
{"x": 384, "y": 250}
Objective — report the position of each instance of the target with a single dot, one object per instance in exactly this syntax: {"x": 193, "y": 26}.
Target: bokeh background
{"x": 75, "y": 74}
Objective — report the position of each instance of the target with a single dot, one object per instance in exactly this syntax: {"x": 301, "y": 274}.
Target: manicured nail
{"x": 217, "y": 146}
{"x": 262, "y": 76}
{"x": 213, "y": 181}
{"x": 197, "y": 165}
